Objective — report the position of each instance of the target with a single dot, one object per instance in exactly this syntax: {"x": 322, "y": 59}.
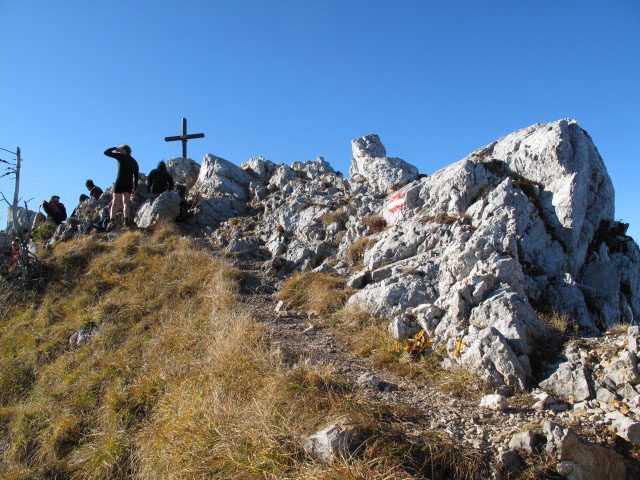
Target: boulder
{"x": 494, "y": 402}
{"x": 527, "y": 441}
{"x": 84, "y": 335}
{"x": 581, "y": 459}
{"x": 165, "y": 208}
{"x": 626, "y": 427}
{"x": 220, "y": 178}
{"x": 215, "y": 210}
{"x": 259, "y": 168}
{"x": 184, "y": 171}
{"x": 333, "y": 442}
{"x": 379, "y": 171}
{"x": 571, "y": 378}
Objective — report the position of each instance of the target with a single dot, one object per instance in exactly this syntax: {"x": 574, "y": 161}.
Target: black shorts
{"x": 123, "y": 186}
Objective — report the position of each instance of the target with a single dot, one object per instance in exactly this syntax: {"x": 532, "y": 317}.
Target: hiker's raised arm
{"x": 111, "y": 152}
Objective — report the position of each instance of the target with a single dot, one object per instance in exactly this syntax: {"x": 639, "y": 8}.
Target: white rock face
{"x": 183, "y": 170}
{"x": 371, "y": 163}
{"x": 581, "y": 459}
{"x": 527, "y": 219}
{"x": 260, "y": 168}
{"x": 165, "y": 208}
{"x": 494, "y": 402}
{"x": 221, "y": 178}
{"x": 335, "y": 441}
{"x": 469, "y": 251}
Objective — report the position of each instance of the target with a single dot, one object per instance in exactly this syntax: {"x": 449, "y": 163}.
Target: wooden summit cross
{"x": 184, "y": 137}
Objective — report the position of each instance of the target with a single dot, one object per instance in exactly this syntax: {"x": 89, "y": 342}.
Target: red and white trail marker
{"x": 396, "y": 203}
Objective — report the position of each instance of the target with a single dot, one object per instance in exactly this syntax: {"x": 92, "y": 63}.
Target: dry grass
{"x": 375, "y": 223}
{"x": 619, "y": 329}
{"x": 368, "y": 336}
{"x": 354, "y": 255}
{"x": 559, "y": 323}
{"x": 179, "y": 382}
{"x": 337, "y": 216}
{"x": 321, "y": 293}
{"x": 441, "y": 218}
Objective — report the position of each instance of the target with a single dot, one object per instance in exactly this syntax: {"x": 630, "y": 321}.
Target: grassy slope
{"x": 179, "y": 382}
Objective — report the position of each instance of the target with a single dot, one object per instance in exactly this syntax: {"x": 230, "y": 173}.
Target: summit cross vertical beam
{"x": 184, "y": 137}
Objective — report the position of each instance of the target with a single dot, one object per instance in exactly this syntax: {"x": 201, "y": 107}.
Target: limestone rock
{"x": 184, "y": 171}
{"x": 83, "y": 336}
{"x": 494, "y": 402}
{"x": 260, "y": 168}
{"x": 215, "y": 210}
{"x": 165, "y": 208}
{"x": 220, "y": 178}
{"x": 526, "y": 441}
{"x": 626, "y": 427}
{"x": 381, "y": 172}
{"x": 587, "y": 460}
{"x": 335, "y": 441}
{"x": 570, "y": 379}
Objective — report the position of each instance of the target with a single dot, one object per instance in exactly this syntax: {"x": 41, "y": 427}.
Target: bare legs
{"x": 126, "y": 210}
{"x": 116, "y": 201}
{"x": 124, "y": 200}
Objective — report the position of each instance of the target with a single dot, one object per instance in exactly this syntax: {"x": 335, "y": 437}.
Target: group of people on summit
{"x": 124, "y": 187}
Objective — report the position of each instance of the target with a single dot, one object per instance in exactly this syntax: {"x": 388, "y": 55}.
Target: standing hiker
{"x": 125, "y": 184}
{"x": 160, "y": 180}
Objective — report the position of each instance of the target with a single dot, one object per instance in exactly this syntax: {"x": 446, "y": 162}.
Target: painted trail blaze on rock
{"x": 396, "y": 203}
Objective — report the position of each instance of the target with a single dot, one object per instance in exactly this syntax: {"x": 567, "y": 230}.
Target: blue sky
{"x": 293, "y": 80}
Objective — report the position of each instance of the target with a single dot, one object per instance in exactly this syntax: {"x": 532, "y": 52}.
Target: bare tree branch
{"x": 5, "y": 199}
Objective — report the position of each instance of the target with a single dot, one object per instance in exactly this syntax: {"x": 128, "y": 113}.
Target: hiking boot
{"x": 129, "y": 223}
{"x": 110, "y": 226}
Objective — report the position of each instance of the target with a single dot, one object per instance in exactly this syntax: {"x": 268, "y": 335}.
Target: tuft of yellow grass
{"x": 374, "y": 223}
{"x": 322, "y": 293}
{"x": 354, "y": 255}
{"x": 560, "y": 323}
{"x": 367, "y": 335}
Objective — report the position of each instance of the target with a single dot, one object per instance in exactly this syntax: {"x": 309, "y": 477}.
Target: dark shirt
{"x": 55, "y": 211}
{"x": 127, "y": 167}
{"x": 160, "y": 181}
{"x": 95, "y": 192}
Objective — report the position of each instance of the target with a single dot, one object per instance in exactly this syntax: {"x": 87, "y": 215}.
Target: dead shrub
{"x": 375, "y": 223}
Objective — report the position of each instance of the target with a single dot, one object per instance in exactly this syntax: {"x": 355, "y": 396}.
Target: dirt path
{"x": 303, "y": 337}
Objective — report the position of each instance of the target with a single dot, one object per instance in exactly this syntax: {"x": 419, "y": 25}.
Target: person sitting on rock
{"x": 160, "y": 180}
{"x": 82, "y": 199}
{"x": 94, "y": 190}
{"x": 125, "y": 184}
{"x": 55, "y": 210}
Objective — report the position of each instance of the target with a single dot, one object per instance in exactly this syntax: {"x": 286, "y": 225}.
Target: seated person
{"x": 94, "y": 190}
{"x": 83, "y": 197}
{"x": 160, "y": 180}
{"x": 55, "y": 210}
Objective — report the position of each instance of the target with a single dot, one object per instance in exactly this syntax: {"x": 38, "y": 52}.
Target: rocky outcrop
{"x": 471, "y": 254}
{"x": 184, "y": 171}
{"x": 580, "y": 459}
{"x": 370, "y": 164}
{"x": 219, "y": 178}
{"x": 165, "y": 208}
